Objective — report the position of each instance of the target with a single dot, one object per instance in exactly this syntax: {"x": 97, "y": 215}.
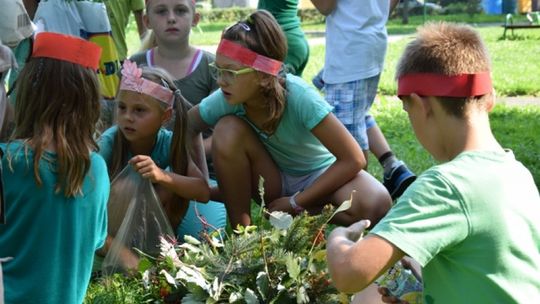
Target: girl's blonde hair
{"x": 180, "y": 148}
{"x": 261, "y": 33}
{"x": 58, "y": 103}
{"x": 149, "y": 40}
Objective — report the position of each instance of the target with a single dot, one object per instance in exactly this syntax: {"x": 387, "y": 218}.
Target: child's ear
{"x": 196, "y": 19}
{"x": 166, "y": 115}
{"x": 146, "y": 21}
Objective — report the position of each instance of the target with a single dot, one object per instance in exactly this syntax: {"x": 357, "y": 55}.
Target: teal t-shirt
{"x": 51, "y": 238}
{"x": 160, "y": 153}
{"x": 213, "y": 212}
{"x": 472, "y": 224}
{"x": 293, "y": 147}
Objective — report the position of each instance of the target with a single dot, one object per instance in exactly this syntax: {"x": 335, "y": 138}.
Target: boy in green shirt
{"x": 470, "y": 222}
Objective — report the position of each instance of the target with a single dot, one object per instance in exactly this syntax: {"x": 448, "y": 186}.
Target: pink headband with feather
{"x": 132, "y": 81}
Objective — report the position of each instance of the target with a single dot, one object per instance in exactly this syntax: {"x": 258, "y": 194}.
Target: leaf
{"x": 261, "y": 190}
{"x": 191, "y": 240}
{"x": 168, "y": 277}
{"x": 302, "y": 296}
{"x": 191, "y": 299}
{"x": 235, "y": 297}
{"x": 144, "y": 264}
{"x": 250, "y": 297}
{"x": 281, "y": 220}
{"x": 320, "y": 255}
{"x": 293, "y": 267}
{"x": 263, "y": 284}
{"x": 344, "y": 206}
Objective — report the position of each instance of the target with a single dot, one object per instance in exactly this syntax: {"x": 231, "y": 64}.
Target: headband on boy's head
{"x": 431, "y": 84}
{"x": 248, "y": 57}
{"x": 132, "y": 81}
{"x": 67, "y": 48}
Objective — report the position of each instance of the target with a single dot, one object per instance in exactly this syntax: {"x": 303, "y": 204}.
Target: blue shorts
{"x": 351, "y": 102}
{"x": 290, "y": 184}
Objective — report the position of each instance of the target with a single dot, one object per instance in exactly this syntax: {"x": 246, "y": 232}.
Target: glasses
{"x": 226, "y": 75}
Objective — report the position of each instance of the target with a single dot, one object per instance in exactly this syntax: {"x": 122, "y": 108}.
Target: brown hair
{"x": 264, "y": 37}
{"x": 179, "y": 150}
{"x": 58, "y": 102}
{"x": 446, "y": 49}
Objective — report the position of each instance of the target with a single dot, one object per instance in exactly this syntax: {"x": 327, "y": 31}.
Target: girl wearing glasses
{"x": 275, "y": 125}
{"x": 167, "y": 46}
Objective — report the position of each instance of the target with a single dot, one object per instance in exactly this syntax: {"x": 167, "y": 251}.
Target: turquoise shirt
{"x": 293, "y": 147}
{"x": 51, "y": 238}
{"x": 160, "y": 153}
{"x": 473, "y": 225}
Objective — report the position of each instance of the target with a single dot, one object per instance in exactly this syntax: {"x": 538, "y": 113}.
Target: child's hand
{"x": 147, "y": 168}
{"x": 387, "y": 297}
{"x": 281, "y": 204}
{"x": 355, "y": 231}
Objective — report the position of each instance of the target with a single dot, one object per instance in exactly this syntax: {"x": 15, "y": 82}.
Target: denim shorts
{"x": 351, "y": 102}
{"x": 290, "y": 184}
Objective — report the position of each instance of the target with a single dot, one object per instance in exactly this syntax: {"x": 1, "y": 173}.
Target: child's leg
{"x": 370, "y": 201}
{"x": 239, "y": 159}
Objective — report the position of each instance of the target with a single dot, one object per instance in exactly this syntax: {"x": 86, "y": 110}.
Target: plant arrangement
{"x": 280, "y": 259}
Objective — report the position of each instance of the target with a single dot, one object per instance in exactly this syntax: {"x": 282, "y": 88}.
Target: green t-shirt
{"x": 119, "y": 11}
{"x": 285, "y": 12}
{"x": 472, "y": 224}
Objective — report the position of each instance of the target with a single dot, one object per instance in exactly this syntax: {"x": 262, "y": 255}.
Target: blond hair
{"x": 149, "y": 40}
{"x": 180, "y": 148}
{"x": 266, "y": 38}
{"x": 58, "y": 103}
{"x": 447, "y": 49}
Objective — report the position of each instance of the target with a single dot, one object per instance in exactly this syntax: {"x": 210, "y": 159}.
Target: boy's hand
{"x": 387, "y": 297}
{"x": 355, "y": 231}
{"x": 147, "y": 168}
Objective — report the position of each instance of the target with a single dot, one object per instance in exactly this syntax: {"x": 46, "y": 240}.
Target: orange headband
{"x": 248, "y": 57}
{"x": 430, "y": 84}
{"x": 67, "y": 48}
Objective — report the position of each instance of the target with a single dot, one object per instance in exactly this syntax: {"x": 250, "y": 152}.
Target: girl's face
{"x": 239, "y": 87}
{"x": 171, "y": 20}
{"x": 140, "y": 116}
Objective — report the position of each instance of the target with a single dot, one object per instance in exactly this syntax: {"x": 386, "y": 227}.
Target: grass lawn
{"x": 516, "y": 71}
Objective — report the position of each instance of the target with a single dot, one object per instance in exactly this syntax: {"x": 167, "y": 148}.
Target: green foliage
{"x": 255, "y": 264}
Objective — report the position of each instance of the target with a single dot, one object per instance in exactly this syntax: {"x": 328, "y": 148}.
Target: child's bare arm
{"x": 195, "y": 126}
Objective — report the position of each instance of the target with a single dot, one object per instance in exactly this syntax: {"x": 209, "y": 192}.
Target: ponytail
{"x": 180, "y": 148}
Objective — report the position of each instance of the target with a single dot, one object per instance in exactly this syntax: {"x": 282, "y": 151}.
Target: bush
{"x": 233, "y": 14}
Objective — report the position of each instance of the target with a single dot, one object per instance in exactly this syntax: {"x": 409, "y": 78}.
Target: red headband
{"x": 248, "y": 57}
{"x": 67, "y": 48}
{"x": 430, "y": 84}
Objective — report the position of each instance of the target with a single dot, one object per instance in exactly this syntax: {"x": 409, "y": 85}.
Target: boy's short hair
{"x": 448, "y": 49}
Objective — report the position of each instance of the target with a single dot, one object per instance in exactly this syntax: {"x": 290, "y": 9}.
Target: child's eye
{"x": 121, "y": 107}
{"x": 161, "y": 11}
{"x": 140, "y": 110}
{"x": 180, "y": 11}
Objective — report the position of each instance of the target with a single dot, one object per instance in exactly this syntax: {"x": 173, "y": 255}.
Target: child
{"x": 472, "y": 221}
{"x": 278, "y": 127}
{"x": 167, "y": 46}
{"x": 56, "y": 188}
{"x": 353, "y": 64}
{"x": 146, "y": 100}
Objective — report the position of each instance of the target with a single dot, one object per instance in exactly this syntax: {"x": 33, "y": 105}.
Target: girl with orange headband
{"x": 275, "y": 125}
{"x": 56, "y": 188}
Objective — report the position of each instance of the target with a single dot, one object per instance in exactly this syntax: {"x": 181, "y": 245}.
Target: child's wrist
{"x": 292, "y": 201}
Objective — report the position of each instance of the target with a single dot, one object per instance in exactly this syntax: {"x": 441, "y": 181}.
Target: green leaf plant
{"x": 279, "y": 259}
